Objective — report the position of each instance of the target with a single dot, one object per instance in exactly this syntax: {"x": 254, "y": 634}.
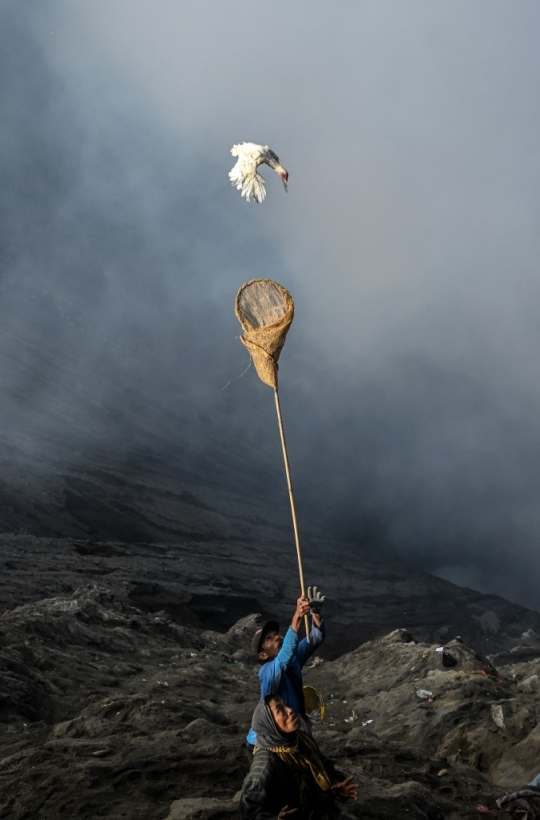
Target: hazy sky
{"x": 409, "y": 239}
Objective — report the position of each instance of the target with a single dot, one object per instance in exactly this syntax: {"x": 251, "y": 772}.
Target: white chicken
{"x": 245, "y": 177}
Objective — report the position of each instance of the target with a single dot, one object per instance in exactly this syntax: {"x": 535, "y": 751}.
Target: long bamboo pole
{"x": 293, "y": 508}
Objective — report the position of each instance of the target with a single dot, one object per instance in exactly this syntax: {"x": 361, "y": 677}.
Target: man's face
{"x": 285, "y": 718}
{"x": 270, "y": 646}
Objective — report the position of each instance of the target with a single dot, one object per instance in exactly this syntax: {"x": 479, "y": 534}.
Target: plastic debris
{"x": 490, "y": 676}
{"x": 315, "y": 662}
{"x": 448, "y": 660}
{"x": 440, "y": 649}
{"x": 442, "y": 772}
{"x": 424, "y": 694}
{"x": 352, "y": 717}
{"x": 367, "y": 722}
{"x": 497, "y": 715}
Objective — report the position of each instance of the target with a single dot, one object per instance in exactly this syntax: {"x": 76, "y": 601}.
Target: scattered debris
{"x": 424, "y": 694}
{"x": 315, "y": 662}
{"x": 490, "y": 676}
{"x": 448, "y": 660}
{"x": 497, "y": 715}
{"x": 524, "y": 803}
{"x": 353, "y": 717}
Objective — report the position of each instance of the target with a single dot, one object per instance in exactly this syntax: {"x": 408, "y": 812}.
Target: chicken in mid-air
{"x": 244, "y": 175}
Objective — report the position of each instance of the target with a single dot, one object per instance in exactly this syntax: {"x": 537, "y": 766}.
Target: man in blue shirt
{"x": 282, "y": 658}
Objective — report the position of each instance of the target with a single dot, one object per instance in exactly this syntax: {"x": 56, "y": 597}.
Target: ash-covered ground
{"x": 127, "y": 683}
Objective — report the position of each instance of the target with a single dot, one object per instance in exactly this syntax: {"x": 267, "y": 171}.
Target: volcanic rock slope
{"x": 127, "y": 683}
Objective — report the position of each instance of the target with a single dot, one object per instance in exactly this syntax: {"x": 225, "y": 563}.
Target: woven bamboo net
{"x": 265, "y": 310}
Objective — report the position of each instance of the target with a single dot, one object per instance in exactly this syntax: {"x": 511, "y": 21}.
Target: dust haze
{"x": 409, "y": 240}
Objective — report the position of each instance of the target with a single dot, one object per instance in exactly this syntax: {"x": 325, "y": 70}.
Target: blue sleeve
{"x": 270, "y": 672}
{"x": 305, "y": 650}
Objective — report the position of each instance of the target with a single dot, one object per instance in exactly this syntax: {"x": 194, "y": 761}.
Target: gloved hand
{"x": 316, "y": 599}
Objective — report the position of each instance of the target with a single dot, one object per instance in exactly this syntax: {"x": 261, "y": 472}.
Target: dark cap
{"x": 260, "y": 635}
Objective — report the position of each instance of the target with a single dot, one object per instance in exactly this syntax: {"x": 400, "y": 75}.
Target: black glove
{"x": 316, "y": 599}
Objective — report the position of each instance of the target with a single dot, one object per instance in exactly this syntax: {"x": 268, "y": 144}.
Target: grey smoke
{"x": 409, "y": 240}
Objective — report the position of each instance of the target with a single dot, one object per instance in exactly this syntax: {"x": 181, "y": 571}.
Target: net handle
{"x": 293, "y": 508}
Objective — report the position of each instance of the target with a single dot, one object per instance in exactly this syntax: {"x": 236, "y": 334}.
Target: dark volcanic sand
{"x": 127, "y": 683}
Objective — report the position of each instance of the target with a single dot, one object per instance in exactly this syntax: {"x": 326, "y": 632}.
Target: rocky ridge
{"x": 112, "y": 708}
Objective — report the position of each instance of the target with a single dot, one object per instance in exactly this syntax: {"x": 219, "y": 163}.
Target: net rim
{"x": 243, "y": 319}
